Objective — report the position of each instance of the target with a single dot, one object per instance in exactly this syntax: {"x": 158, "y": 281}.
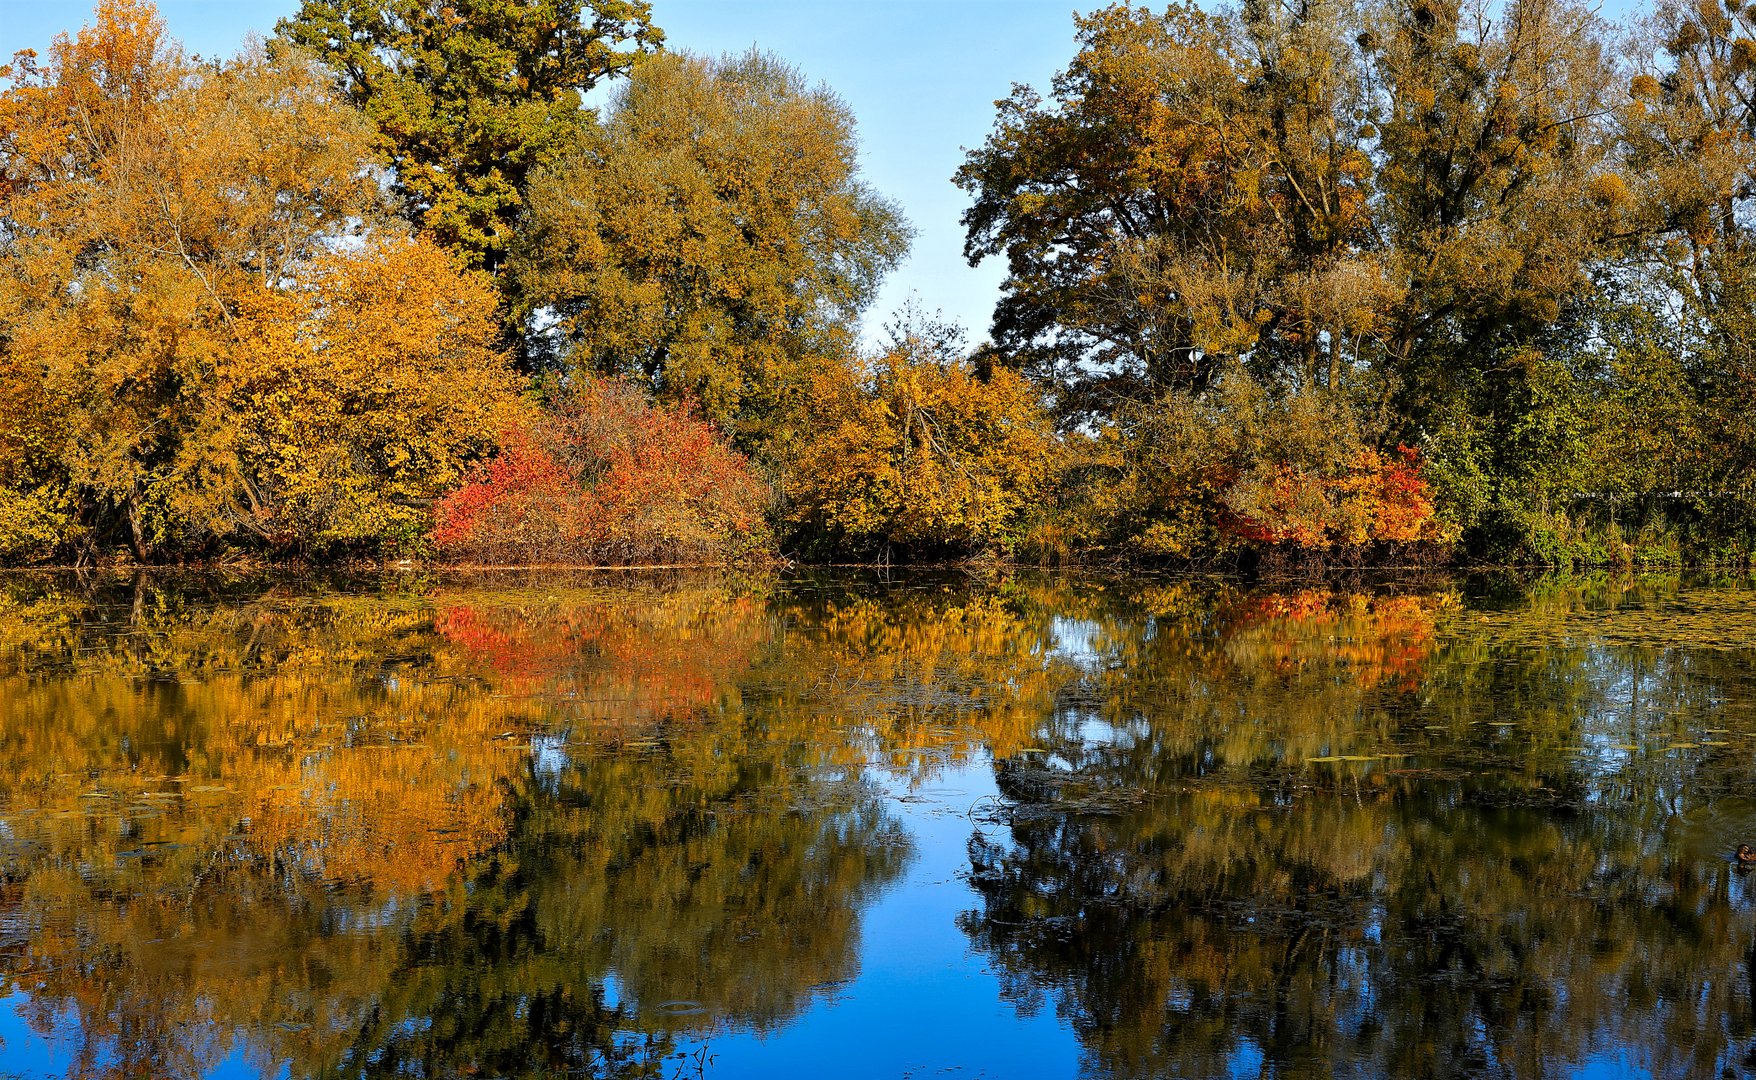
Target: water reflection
{"x": 537, "y": 825}
{"x": 1390, "y": 837}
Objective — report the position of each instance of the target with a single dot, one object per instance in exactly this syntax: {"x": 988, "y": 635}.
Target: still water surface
{"x": 1015, "y": 826}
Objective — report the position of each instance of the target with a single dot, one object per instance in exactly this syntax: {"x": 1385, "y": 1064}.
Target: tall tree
{"x": 1688, "y": 140}
{"x": 469, "y": 96}
{"x": 712, "y": 242}
{"x": 142, "y": 194}
{"x": 1495, "y": 134}
{"x": 1193, "y": 189}
{"x": 154, "y": 214}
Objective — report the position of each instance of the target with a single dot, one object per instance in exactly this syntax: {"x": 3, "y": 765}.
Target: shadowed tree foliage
{"x": 1412, "y": 208}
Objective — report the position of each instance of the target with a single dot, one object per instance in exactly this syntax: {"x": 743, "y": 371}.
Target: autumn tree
{"x": 143, "y": 194}
{"x": 714, "y": 241}
{"x": 1682, "y": 322}
{"x": 606, "y": 476}
{"x": 361, "y": 393}
{"x": 467, "y": 98}
{"x": 161, "y": 222}
{"x": 1399, "y": 205}
{"x": 913, "y": 449}
{"x": 1194, "y": 189}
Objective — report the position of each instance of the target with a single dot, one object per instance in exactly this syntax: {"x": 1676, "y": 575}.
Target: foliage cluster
{"x": 712, "y": 242}
{"x": 210, "y": 331}
{"x": 606, "y": 476}
{"x": 1511, "y": 237}
{"x": 1238, "y": 472}
{"x": 914, "y": 454}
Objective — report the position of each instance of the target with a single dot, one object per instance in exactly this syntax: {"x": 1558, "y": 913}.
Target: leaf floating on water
{"x": 1715, "y": 742}
{"x": 1684, "y": 746}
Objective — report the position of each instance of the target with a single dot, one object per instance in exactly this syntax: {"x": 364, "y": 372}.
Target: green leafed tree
{"x": 714, "y": 241}
{"x": 468, "y": 96}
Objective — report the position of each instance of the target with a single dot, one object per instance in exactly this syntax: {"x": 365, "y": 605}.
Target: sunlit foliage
{"x": 467, "y": 98}
{"x": 606, "y": 476}
{"x": 195, "y": 280}
{"x": 915, "y": 450}
{"x": 1453, "y": 220}
{"x": 1242, "y": 469}
{"x": 715, "y": 241}
{"x": 365, "y": 390}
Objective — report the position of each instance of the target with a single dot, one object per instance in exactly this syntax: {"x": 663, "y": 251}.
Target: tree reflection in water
{"x": 529, "y": 826}
{"x": 1386, "y": 838}
{"x": 336, "y": 830}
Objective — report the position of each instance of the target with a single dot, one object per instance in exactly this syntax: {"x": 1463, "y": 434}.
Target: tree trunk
{"x": 137, "y": 538}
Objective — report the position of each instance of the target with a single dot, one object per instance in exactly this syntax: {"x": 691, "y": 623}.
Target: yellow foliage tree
{"x": 150, "y": 205}
{"x": 365, "y": 391}
{"x": 714, "y": 242}
{"x": 917, "y": 450}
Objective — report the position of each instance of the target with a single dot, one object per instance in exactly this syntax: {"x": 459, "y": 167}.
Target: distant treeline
{"x": 1326, "y": 281}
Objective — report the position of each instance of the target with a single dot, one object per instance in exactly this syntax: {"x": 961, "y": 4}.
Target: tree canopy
{"x": 713, "y": 241}
{"x": 1392, "y": 279}
{"x": 207, "y": 319}
{"x": 466, "y": 98}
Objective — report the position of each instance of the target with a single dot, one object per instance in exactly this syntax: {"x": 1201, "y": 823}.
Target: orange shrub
{"x": 1374, "y": 498}
{"x": 606, "y": 476}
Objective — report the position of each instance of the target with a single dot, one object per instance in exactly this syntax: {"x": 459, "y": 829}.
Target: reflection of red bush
{"x": 1386, "y": 640}
{"x": 633, "y": 661}
{"x": 607, "y": 476}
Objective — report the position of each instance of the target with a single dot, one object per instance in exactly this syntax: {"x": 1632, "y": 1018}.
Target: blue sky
{"x": 920, "y": 75}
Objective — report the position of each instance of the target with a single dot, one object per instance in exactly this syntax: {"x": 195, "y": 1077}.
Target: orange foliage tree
{"x": 607, "y": 476}
{"x": 184, "y": 358}
{"x": 1244, "y": 468}
{"x": 1374, "y": 498}
{"x": 364, "y": 391}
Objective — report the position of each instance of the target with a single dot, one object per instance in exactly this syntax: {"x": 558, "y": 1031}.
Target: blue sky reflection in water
{"x": 1026, "y": 825}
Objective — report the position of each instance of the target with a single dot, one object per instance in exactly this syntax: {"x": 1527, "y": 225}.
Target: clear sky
{"x": 920, "y": 75}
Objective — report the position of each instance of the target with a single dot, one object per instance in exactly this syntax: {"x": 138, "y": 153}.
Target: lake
{"x": 923, "y": 825}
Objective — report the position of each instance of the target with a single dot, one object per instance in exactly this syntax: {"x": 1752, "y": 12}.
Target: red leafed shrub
{"x": 606, "y": 476}
{"x": 1375, "y": 498}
